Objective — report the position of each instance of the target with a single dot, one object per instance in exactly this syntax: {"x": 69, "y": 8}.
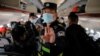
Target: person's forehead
{"x": 48, "y": 10}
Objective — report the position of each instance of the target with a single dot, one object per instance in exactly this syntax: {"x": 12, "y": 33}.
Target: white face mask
{"x": 61, "y": 20}
{"x": 33, "y": 20}
{"x": 47, "y": 17}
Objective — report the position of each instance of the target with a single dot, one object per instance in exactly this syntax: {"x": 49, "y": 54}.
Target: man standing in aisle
{"x": 53, "y": 31}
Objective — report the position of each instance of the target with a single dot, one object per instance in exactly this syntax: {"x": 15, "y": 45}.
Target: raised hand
{"x": 49, "y": 35}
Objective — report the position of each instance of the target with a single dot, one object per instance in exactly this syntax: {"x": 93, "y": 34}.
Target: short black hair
{"x": 73, "y": 17}
{"x": 32, "y": 14}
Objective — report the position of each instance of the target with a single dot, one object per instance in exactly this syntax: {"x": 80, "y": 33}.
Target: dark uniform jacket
{"x": 59, "y": 30}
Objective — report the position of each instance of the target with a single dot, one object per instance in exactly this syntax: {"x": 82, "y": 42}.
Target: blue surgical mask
{"x": 48, "y": 18}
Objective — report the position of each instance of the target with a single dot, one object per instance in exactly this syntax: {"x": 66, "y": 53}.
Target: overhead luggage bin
{"x": 93, "y": 6}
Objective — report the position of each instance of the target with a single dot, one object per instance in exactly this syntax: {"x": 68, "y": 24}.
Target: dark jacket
{"x": 24, "y": 36}
{"x": 59, "y": 29}
{"x": 77, "y": 42}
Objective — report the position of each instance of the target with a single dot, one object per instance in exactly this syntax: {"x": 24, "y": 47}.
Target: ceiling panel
{"x": 58, "y": 2}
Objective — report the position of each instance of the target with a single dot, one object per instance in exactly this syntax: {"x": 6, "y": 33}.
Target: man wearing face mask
{"x": 53, "y": 31}
{"x": 33, "y": 18}
{"x": 61, "y": 20}
{"x": 32, "y": 33}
